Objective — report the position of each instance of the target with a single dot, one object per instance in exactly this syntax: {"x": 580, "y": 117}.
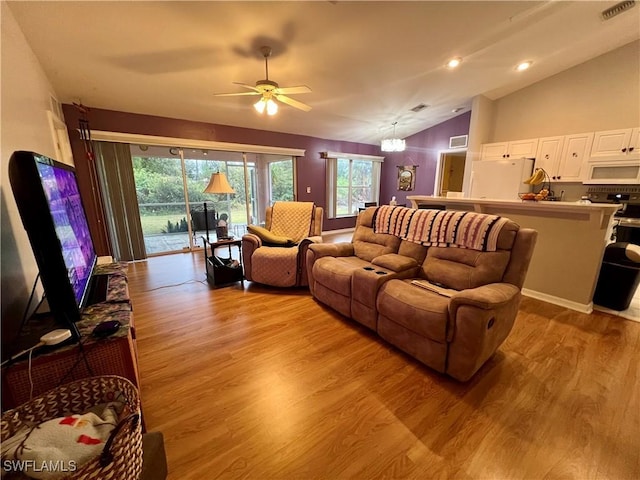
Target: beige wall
{"x": 601, "y": 94}
{"x": 25, "y": 99}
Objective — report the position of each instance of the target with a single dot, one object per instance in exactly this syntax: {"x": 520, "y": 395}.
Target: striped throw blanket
{"x": 440, "y": 228}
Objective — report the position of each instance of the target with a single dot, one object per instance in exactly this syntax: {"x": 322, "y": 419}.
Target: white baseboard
{"x": 629, "y": 314}
{"x": 563, "y": 302}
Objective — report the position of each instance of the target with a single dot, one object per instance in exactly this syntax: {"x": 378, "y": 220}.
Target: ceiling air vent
{"x": 458, "y": 142}
{"x": 419, "y": 108}
{"x": 617, "y": 9}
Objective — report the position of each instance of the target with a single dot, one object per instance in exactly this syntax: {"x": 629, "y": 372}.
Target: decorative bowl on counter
{"x": 534, "y": 197}
{"x": 528, "y": 197}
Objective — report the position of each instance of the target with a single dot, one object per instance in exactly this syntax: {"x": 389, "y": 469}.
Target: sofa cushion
{"x": 423, "y": 312}
{"x": 413, "y": 250}
{"x": 395, "y": 262}
{"x": 368, "y": 245}
{"x": 335, "y": 272}
{"x": 461, "y": 268}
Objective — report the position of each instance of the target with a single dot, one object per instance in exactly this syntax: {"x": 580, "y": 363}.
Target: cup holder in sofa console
{"x": 379, "y": 272}
{"x": 368, "y": 268}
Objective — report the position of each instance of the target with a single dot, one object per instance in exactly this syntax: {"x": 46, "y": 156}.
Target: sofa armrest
{"x": 480, "y": 320}
{"x": 319, "y": 250}
{"x": 250, "y": 243}
{"x": 343, "y": 249}
{"x": 303, "y": 246}
{"x": 395, "y": 262}
{"x": 313, "y": 239}
{"x": 486, "y": 297}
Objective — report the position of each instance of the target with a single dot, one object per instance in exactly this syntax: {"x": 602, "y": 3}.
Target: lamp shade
{"x": 218, "y": 183}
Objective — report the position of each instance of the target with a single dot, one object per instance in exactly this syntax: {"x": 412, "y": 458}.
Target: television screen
{"x": 48, "y": 199}
{"x": 61, "y": 189}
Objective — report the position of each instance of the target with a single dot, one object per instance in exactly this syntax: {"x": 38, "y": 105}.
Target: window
{"x": 352, "y": 180}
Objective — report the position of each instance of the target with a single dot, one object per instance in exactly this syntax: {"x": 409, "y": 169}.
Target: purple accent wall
{"x": 310, "y": 168}
{"x": 422, "y": 150}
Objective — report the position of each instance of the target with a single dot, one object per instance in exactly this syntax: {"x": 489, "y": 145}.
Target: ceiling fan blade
{"x": 250, "y": 87}
{"x": 293, "y": 103}
{"x": 235, "y": 94}
{"x": 292, "y": 90}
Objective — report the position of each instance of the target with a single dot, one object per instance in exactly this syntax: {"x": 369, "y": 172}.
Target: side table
{"x": 223, "y": 271}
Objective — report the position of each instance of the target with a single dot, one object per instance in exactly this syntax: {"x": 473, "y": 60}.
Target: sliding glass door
{"x": 158, "y": 174}
{"x": 199, "y": 165}
{"x": 168, "y": 183}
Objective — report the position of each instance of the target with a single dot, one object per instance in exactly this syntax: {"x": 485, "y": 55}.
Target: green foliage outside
{"x": 161, "y": 198}
{"x": 355, "y": 189}
{"x": 177, "y": 227}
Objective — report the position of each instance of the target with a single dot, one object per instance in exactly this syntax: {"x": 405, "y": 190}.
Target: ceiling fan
{"x": 270, "y": 90}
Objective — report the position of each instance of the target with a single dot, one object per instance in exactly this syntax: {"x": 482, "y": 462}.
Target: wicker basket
{"x": 121, "y": 458}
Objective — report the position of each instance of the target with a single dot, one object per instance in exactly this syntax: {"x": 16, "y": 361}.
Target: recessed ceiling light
{"x": 454, "y": 62}
{"x": 524, "y": 65}
{"x": 457, "y": 109}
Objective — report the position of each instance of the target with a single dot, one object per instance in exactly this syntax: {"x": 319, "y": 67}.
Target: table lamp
{"x": 218, "y": 184}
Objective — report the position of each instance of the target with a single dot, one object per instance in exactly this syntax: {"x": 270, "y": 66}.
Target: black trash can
{"x": 619, "y": 276}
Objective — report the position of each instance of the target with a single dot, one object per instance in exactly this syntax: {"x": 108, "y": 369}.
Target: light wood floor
{"x": 262, "y": 383}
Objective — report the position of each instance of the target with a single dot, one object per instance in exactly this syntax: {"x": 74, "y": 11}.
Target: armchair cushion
{"x": 268, "y": 237}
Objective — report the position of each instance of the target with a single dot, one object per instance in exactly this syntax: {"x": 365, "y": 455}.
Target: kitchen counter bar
{"x": 571, "y": 241}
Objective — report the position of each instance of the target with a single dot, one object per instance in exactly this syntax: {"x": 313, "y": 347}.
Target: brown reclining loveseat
{"x": 370, "y": 280}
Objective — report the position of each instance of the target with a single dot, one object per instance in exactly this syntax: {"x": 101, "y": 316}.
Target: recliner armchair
{"x": 276, "y": 254}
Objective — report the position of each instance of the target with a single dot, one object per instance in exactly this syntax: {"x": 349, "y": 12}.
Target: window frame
{"x": 332, "y": 179}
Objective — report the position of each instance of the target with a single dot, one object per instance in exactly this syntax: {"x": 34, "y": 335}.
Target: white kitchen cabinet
{"x": 548, "y": 155}
{"x": 494, "y": 151}
{"x": 516, "y": 149}
{"x": 564, "y": 157}
{"x": 573, "y": 162}
{"x": 616, "y": 145}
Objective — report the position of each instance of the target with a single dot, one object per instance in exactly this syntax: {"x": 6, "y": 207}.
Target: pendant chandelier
{"x": 393, "y": 144}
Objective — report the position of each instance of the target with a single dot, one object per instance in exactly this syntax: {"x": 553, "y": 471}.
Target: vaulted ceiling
{"x": 367, "y": 63}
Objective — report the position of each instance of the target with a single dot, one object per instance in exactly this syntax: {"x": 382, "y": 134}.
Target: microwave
{"x": 613, "y": 173}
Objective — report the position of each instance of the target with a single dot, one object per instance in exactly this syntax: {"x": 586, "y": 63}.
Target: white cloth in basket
{"x": 58, "y": 447}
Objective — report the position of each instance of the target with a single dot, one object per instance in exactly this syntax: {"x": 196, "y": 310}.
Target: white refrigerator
{"x": 500, "y": 179}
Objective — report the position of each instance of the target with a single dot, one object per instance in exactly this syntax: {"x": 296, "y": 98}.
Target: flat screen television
{"x": 49, "y": 202}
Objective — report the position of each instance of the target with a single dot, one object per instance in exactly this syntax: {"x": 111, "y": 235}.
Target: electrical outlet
{"x": 308, "y": 189}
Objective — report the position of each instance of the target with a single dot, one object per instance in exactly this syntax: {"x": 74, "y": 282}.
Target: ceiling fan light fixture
{"x": 266, "y": 104}
{"x": 270, "y": 91}
{"x": 272, "y": 107}
{"x": 260, "y": 105}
